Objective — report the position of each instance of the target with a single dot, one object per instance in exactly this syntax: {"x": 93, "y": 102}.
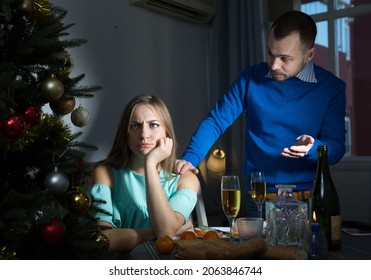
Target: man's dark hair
{"x": 296, "y": 21}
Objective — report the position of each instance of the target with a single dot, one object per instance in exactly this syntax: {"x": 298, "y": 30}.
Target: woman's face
{"x": 145, "y": 129}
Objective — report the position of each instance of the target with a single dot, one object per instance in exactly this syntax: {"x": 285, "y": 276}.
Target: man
{"x": 291, "y": 107}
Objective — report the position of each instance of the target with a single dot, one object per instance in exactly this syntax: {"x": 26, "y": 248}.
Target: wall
{"x": 131, "y": 51}
{"x": 352, "y": 179}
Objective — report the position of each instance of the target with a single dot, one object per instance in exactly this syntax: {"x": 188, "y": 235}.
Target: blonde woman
{"x": 138, "y": 181}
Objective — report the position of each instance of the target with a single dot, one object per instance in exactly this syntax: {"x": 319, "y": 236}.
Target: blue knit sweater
{"x": 276, "y": 114}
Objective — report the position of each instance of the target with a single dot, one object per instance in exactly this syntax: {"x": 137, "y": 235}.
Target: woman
{"x": 146, "y": 199}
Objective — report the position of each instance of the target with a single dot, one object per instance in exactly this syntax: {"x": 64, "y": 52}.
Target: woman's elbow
{"x": 170, "y": 231}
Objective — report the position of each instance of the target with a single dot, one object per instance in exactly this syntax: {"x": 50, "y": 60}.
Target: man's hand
{"x": 300, "y": 148}
{"x": 183, "y": 166}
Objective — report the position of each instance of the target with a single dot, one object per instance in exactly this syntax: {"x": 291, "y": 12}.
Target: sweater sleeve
{"x": 102, "y": 199}
{"x": 183, "y": 201}
{"x": 220, "y": 117}
{"x": 332, "y": 131}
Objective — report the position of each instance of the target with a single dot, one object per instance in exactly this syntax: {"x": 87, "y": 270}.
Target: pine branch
{"x": 73, "y": 88}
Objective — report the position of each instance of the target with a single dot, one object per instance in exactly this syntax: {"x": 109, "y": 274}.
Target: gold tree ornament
{"x": 80, "y": 117}
{"x": 6, "y": 254}
{"x": 28, "y": 6}
{"x": 78, "y": 201}
{"x": 63, "y": 106}
{"x": 52, "y": 88}
{"x": 101, "y": 238}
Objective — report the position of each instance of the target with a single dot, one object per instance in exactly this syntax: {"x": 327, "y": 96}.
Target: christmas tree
{"x": 44, "y": 211}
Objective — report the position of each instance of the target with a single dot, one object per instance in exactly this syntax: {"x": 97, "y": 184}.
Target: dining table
{"x": 352, "y": 248}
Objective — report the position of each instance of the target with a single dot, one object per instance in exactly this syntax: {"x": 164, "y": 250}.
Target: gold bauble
{"x": 52, "y": 88}
{"x": 28, "y": 6}
{"x": 80, "y": 117}
{"x": 101, "y": 238}
{"x": 5, "y": 254}
{"x": 78, "y": 201}
{"x": 63, "y": 106}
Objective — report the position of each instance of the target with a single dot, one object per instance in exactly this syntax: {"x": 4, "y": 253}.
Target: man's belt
{"x": 300, "y": 195}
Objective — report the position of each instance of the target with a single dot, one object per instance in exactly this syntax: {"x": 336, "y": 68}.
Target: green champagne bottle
{"x": 324, "y": 202}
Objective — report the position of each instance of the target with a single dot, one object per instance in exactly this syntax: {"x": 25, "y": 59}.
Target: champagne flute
{"x": 231, "y": 199}
{"x": 258, "y": 190}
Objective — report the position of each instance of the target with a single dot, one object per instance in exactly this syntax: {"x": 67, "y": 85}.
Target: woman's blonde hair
{"x": 120, "y": 153}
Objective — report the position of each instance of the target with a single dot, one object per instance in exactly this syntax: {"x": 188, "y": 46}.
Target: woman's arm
{"x": 121, "y": 239}
{"x": 125, "y": 239}
{"x": 169, "y": 216}
{"x": 164, "y": 220}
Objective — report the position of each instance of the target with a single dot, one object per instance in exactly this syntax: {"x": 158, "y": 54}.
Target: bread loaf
{"x": 182, "y": 245}
{"x": 209, "y": 249}
{"x": 249, "y": 249}
{"x": 218, "y": 249}
{"x": 284, "y": 253}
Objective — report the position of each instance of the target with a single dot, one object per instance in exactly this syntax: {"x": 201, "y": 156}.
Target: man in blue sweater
{"x": 291, "y": 107}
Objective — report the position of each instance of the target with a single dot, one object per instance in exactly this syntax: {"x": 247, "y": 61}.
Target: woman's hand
{"x": 161, "y": 151}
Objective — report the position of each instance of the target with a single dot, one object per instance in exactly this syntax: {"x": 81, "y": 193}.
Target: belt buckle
{"x": 302, "y": 195}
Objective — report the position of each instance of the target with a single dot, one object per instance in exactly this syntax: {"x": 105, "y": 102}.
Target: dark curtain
{"x": 238, "y": 40}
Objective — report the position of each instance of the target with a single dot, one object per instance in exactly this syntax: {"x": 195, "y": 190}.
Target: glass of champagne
{"x": 258, "y": 190}
{"x": 231, "y": 199}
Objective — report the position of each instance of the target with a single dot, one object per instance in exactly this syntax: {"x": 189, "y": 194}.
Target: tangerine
{"x": 210, "y": 234}
{"x": 188, "y": 235}
{"x": 165, "y": 244}
{"x": 199, "y": 232}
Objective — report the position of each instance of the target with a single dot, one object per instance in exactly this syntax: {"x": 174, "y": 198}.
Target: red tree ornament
{"x": 14, "y": 126}
{"x": 54, "y": 232}
{"x": 32, "y": 115}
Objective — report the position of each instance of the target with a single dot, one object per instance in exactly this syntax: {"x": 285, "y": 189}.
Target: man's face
{"x": 287, "y": 57}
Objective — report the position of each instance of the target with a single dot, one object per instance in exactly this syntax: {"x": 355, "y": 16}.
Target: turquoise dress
{"x": 127, "y": 201}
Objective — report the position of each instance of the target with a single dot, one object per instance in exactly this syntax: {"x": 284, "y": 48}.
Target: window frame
{"x": 330, "y": 16}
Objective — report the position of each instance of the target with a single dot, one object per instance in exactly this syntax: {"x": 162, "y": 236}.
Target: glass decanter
{"x": 287, "y": 219}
